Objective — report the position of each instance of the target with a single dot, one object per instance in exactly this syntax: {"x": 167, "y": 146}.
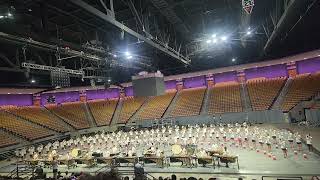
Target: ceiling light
{"x": 233, "y": 59}
{"x": 127, "y": 53}
{"x": 215, "y": 41}
{"x": 249, "y": 32}
{"x": 115, "y": 55}
{"x": 224, "y": 38}
{"x": 33, "y": 81}
{"x": 249, "y": 28}
{"x": 214, "y": 35}
{"x": 9, "y": 14}
{"x": 1, "y": 17}
{"x": 30, "y": 10}
{"x": 129, "y": 57}
{"x": 109, "y": 80}
{"x": 208, "y": 41}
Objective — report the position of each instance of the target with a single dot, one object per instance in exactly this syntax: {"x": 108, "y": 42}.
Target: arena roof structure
{"x": 113, "y": 40}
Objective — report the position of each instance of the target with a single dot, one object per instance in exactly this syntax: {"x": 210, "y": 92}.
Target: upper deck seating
{"x": 102, "y": 110}
{"x": 73, "y": 113}
{"x": 39, "y": 116}
{"x": 129, "y": 107}
{"x": 263, "y": 92}
{"x": 156, "y": 106}
{"x": 225, "y": 97}
{"x": 302, "y": 88}
{"x": 188, "y": 102}
{"x": 21, "y": 127}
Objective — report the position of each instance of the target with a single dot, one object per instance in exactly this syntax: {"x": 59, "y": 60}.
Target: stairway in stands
{"x": 204, "y": 107}
{"x": 171, "y": 105}
{"x": 89, "y": 116}
{"x": 246, "y": 102}
{"x": 135, "y": 115}
{"x": 279, "y": 100}
{"x": 116, "y": 113}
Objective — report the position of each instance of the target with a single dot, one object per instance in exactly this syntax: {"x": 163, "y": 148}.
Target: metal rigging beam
{"x": 162, "y": 47}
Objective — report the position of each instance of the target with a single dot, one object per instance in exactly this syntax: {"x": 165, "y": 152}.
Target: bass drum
{"x": 176, "y": 149}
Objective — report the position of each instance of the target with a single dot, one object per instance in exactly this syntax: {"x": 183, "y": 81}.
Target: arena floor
{"x": 252, "y": 163}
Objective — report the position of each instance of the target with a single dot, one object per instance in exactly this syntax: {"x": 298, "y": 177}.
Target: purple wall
{"x": 102, "y": 94}
{"x": 128, "y": 91}
{"x": 170, "y": 84}
{"x": 308, "y": 66}
{"x": 267, "y": 72}
{"x": 16, "y": 99}
{"x": 61, "y": 97}
{"x": 193, "y": 82}
{"x": 225, "y": 77}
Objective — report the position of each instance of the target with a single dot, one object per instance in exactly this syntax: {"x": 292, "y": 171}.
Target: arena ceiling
{"x": 277, "y": 28}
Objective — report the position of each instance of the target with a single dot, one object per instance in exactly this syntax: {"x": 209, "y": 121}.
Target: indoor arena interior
{"x": 160, "y": 89}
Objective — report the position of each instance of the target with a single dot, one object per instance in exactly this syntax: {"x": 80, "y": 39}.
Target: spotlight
{"x": 208, "y": 41}
{"x": 115, "y": 55}
{"x": 9, "y": 15}
{"x": 129, "y": 57}
{"x": 127, "y": 53}
{"x": 224, "y": 38}
{"x": 214, "y": 35}
{"x": 33, "y": 81}
{"x": 233, "y": 59}
{"x": 248, "y": 32}
{"x": 109, "y": 80}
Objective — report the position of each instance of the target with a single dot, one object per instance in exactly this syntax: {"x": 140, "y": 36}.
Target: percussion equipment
{"x": 176, "y": 149}
{"x": 75, "y": 152}
{"x": 191, "y": 149}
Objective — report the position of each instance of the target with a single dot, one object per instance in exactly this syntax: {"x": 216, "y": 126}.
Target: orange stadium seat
{"x": 129, "y": 107}
{"x": 263, "y": 91}
{"x": 21, "y": 127}
{"x": 302, "y": 88}
{"x": 6, "y": 140}
{"x": 225, "y": 97}
{"x": 73, "y": 113}
{"x": 39, "y": 116}
{"x": 156, "y": 107}
{"x": 189, "y": 102}
{"x": 102, "y": 110}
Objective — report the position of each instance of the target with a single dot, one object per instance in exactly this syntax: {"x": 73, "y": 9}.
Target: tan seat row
{"x": 129, "y": 107}
{"x": 102, "y": 110}
{"x": 189, "y": 102}
{"x": 73, "y": 113}
{"x": 225, "y": 97}
{"x": 302, "y": 88}
{"x": 6, "y": 140}
{"x": 156, "y": 106}
{"x": 263, "y": 92}
{"x": 39, "y": 116}
{"x": 21, "y": 127}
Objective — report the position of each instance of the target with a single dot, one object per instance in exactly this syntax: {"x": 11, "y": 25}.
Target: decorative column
{"x": 36, "y": 99}
{"x": 83, "y": 95}
{"x": 179, "y": 84}
{"x": 210, "y": 80}
{"x": 292, "y": 69}
{"x": 241, "y": 76}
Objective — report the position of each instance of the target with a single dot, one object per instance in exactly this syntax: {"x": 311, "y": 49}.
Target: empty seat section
{"x": 21, "y": 127}
{"x": 39, "y": 116}
{"x": 6, "y": 140}
{"x": 189, "y": 102}
{"x": 129, "y": 107}
{"x": 225, "y": 97}
{"x": 102, "y": 110}
{"x": 302, "y": 88}
{"x": 263, "y": 92}
{"x": 156, "y": 107}
{"x": 72, "y": 113}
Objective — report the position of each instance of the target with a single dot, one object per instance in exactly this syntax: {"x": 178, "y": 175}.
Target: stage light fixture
{"x": 115, "y": 55}
{"x": 109, "y": 80}
{"x": 214, "y": 35}
{"x": 248, "y": 32}
{"x": 9, "y": 14}
{"x": 208, "y": 41}
{"x": 224, "y": 38}
{"x": 1, "y": 17}
{"x": 129, "y": 57}
{"x": 33, "y": 81}
{"x": 127, "y": 53}
{"x": 214, "y": 40}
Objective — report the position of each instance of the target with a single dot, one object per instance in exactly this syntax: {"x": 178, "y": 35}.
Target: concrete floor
{"x": 253, "y": 164}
